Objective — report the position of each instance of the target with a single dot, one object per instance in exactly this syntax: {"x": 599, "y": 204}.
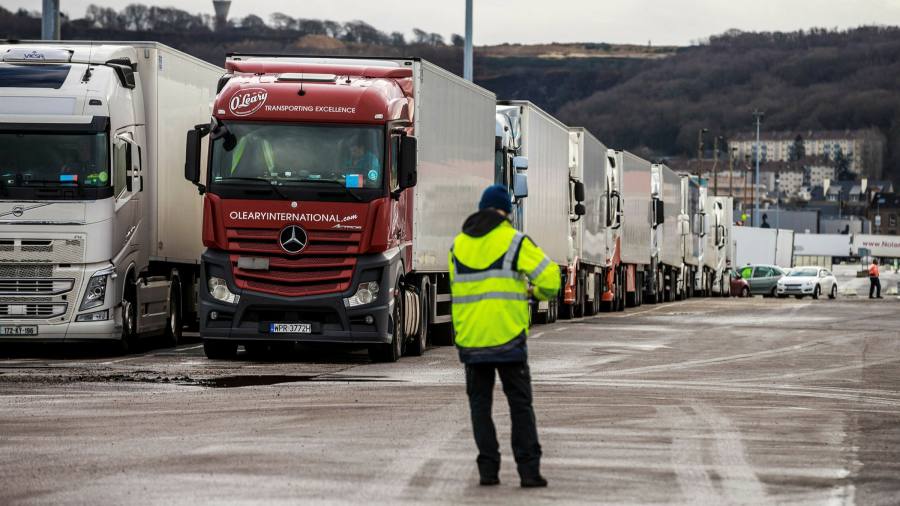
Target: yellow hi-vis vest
{"x": 489, "y": 285}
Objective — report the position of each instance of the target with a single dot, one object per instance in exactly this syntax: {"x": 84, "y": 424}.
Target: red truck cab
{"x": 305, "y": 198}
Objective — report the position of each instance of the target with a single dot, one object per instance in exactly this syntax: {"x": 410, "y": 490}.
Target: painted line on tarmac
{"x": 713, "y": 361}
{"x": 535, "y": 336}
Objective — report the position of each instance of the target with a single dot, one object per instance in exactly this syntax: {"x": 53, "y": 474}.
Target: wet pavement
{"x": 709, "y": 401}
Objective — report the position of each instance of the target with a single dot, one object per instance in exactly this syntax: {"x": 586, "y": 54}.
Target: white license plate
{"x": 18, "y": 330}
{"x": 290, "y": 328}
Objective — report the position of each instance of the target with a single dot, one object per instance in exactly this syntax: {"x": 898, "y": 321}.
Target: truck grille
{"x": 32, "y": 310}
{"x": 325, "y": 266}
{"x": 64, "y": 251}
{"x": 35, "y": 286}
{"x": 38, "y": 291}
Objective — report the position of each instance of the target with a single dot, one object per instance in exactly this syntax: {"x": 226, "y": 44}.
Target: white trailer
{"x": 637, "y": 224}
{"x": 763, "y": 246}
{"x": 590, "y": 252}
{"x": 544, "y": 140}
{"x": 691, "y": 220}
{"x": 668, "y": 248}
{"x": 102, "y": 231}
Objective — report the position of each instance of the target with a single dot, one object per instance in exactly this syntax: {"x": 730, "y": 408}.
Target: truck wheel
{"x": 539, "y": 317}
{"x": 129, "y": 319}
{"x": 217, "y": 349}
{"x": 417, "y": 346}
{"x": 392, "y": 351}
{"x": 566, "y": 311}
{"x": 173, "y": 320}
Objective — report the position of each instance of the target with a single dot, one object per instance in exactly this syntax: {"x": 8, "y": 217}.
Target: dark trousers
{"x": 516, "y": 379}
{"x": 874, "y": 284}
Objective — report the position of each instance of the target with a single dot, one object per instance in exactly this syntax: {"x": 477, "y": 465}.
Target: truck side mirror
{"x": 579, "y": 192}
{"x": 520, "y": 162}
{"x": 407, "y": 173}
{"x": 659, "y": 209}
{"x": 192, "y": 154}
{"x": 579, "y": 209}
{"x": 520, "y": 186}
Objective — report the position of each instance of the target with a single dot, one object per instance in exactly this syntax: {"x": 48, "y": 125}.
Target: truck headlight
{"x": 95, "y": 294}
{"x": 219, "y": 291}
{"x": 366, "y": 293}
{"x": 96, "y": 316}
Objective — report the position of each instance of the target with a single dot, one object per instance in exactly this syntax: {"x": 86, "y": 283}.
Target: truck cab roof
{"x": 286, "y": 90}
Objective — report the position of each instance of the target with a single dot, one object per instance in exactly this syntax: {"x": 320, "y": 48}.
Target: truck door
{"x": 126, "y": 188}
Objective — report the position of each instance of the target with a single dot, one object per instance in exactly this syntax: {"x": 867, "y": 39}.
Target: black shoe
{"x": 535, "y": 482}
{"x": 489, "y": 481}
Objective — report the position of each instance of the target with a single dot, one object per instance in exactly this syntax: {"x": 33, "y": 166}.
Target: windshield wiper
{"x": 274, "y": 187}
{"x": 334, "y": 183}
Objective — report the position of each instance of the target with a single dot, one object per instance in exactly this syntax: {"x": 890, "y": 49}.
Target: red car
{"x": 739, "y": 286}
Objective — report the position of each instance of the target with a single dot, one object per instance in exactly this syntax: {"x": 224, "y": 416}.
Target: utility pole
{"x": 468, "y": 63}
{"x": 731, "y": 156}
{"x": 50, "y": 20}
{"x": 716, "y": 165}
{"x": 759, "y": 116}
{"x": 700, "y": 153}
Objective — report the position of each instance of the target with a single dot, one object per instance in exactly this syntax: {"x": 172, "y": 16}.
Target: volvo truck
{"x": 333, "y": 192}
{"x": 546, "y": 215}
{"x": 99, "y": 233}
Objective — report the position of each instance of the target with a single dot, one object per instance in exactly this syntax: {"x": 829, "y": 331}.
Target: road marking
{"x": 687, "y": 458}
{"x": 535, "y": 336}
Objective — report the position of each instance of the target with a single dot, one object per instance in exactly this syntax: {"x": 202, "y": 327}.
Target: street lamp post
{"x": 759, "y": 116}
{"x": 468, "y": 63}
{"x": 50, "y": 20}
{"x": 700, "y": 153}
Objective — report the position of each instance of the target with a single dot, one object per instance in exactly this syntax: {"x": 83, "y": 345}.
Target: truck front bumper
{"x": 68, "y": 332}
{"x": 331, "y": 321}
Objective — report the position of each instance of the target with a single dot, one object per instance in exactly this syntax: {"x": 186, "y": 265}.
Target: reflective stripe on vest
{"x": 505, "y": 272}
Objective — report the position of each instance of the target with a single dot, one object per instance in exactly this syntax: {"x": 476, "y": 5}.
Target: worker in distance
{"x": 491, "y": 265}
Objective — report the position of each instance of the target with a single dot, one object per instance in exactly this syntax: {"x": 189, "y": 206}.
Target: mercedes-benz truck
{"x": 334, "y": 189}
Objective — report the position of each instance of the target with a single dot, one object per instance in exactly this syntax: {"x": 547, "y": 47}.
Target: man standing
{"x": 491, "y": 265}
{"x": 874, "y": 281}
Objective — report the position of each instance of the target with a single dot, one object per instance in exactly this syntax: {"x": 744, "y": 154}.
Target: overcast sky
{"x": 528, "y": 21}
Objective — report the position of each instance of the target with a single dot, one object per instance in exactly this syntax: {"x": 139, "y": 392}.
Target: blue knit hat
{"x": 497, "y": 197}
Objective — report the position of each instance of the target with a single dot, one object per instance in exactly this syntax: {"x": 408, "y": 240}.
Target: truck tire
{"x": 173, "y": 319}
{"x": 392, "y": 351}
{"x": 417, "y": 347}
{"x": 217, "y": 349}
{"x": 566, "y": 311}
{"x": 129, "y": 320}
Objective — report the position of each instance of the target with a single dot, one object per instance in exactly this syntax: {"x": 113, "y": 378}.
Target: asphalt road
{"x": 710, "y": 401}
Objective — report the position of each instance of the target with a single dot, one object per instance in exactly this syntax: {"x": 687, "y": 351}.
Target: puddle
{"x": 251, "y": 381}
{"x": 261, "y": 380}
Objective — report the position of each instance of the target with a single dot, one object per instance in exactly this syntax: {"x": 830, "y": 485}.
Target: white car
{"x": 803, "y": 281}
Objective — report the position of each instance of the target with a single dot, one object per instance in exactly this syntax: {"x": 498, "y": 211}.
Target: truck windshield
{"x": 292, "y": 154}
{"x": 37, "y": 159}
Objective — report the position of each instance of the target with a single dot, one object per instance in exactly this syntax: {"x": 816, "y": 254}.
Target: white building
{"x": 865, "y": 148}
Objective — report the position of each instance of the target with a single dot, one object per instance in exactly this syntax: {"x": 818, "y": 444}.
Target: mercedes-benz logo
{"x": 293, "y": 239}
{"x": 18, "y": 211}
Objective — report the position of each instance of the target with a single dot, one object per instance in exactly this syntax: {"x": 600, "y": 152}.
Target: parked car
{"x": 762, "y": 278}
{"x": 739, "y": 286}
{"x": 812, "y": 281}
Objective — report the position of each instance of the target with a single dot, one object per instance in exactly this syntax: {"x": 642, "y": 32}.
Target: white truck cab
{"x": 88, "y": 189}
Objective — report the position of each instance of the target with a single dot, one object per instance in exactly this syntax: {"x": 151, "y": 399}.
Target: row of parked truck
{"x": 312, "y": 199}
